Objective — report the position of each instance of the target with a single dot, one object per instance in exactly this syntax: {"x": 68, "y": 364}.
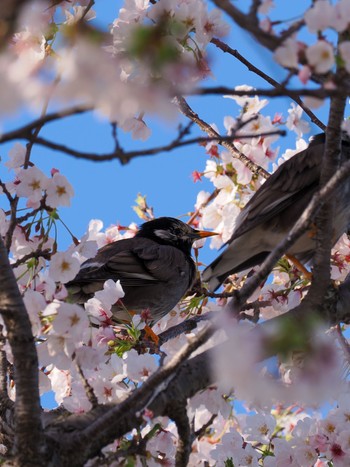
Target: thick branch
{"x": 120, "y": 419}
{"x": 178, "y": 413}
{"x": 325, "y": 219}
{"x": 29, "y": 443}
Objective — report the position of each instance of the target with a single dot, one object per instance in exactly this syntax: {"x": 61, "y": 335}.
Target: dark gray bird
{"x": 155, "y": 269}
{"x": 273, "y": 210}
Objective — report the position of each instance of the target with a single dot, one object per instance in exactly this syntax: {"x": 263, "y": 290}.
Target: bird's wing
{"x": 135, "y": 262}
{"x": 293, "y": 184}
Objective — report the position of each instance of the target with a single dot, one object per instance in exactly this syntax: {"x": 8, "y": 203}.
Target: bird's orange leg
{"x": 299, "y": 266}
{"x": 151, "y": 335}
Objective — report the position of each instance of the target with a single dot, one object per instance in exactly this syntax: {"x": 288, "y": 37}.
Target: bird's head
{"x": 171, "y": 231}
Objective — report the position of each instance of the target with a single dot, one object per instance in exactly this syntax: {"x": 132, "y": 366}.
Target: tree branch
{"x": 125, "y": 157}
{"x": 250, "y": 24}
{"x": 112, "y": 424}
{"x": 296, "y": 98}
{"x": 26, "y": 130}
{"x": 320, "y": 93}
{"x": 178, "y": 412}
{"x": 29, "y": 440}
{"x": 325, "y": 219}
{"x": 189, "y": 113}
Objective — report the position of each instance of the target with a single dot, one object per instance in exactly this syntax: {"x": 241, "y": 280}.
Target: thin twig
{"x": 320, "y": 93}
{"x": 225, "y": 48}
{"x": 186, "y": 326}
{"x": 25, "y": 131}
{"x": 189, "y": 113}
{"x": 46, "y": 254}
{"x": 201, "y": 431}
{"x": 90, "y": 394}
{"x": 125, "y": 157}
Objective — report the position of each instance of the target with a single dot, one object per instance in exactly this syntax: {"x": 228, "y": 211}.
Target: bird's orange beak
{"x": 205, "y": 233}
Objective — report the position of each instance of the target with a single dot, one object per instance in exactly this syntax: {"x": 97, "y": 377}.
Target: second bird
{"x": 274, "y": 209}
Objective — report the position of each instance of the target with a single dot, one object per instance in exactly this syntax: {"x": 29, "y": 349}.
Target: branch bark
{"x": 296, "y": 97}
{"x": 29, "y": 437}
{"x": 189, "y": 113}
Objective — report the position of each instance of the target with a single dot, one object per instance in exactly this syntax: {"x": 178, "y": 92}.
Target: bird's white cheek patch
{"x": 165, "y": 234}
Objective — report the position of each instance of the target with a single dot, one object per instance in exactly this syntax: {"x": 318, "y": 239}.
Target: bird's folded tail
{"x": 223, "y": 266}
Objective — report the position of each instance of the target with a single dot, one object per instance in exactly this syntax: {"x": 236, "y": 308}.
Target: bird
{"x": 273, "y": 210}
{"x": 155, "y": 269}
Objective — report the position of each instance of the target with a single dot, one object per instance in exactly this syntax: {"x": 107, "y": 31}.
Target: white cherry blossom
{"x": 63, "y": 267}
{"x": 319, "y": 16}
{"x": 287, "y": 54}
{"x": 58, "y": 191}
{"x": 31, "y": 184}
{"x": 320, "y": 56}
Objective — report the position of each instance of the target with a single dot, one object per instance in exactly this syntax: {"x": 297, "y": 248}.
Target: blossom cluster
{"x": 320, "y": 57}
{"x": 75, "y": 340}
{"x": 159, "y": 49}
{"x": 121, "y": 81}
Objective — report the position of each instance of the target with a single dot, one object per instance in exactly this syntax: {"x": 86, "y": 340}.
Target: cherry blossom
{"x": 138, "y": 128}
{"x": 340, "y": 15}
{"x": 295, "y": 122}
{"x": 69, "y": 319}
{"x": 31, "y": 184}
{"x": 287, "y": 54}
{"x": 58, "y": 191}
{"x": 320, "y": 56}
{"x": 319, "y": 16}
{"x": 139, "y": 367}
{"x": 259, "y": 428}
{"x": 16, "y": 156}
{"x": 63, "y": 267}
{"x": 250, "y": 105}
{"x": 77, "y": 14}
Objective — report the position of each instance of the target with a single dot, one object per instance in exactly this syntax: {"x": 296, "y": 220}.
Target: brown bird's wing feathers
{"x": 293, "y": 182}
